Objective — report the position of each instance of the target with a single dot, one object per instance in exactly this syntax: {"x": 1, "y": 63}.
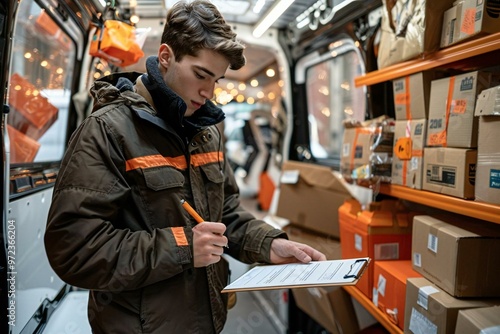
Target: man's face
{"x": 193, "y": 78}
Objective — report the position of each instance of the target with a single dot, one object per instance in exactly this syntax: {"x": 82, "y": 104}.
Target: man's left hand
{"x": 287, "y": 251}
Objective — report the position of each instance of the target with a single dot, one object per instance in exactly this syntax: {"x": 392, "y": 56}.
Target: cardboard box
{"x": 382, "y": 232}
{"x": 429, "y": 309}
{"x": 310, "y": 196}
{"x": 479, "y": 320}
{"x": 450, "y": 22}
{"x": 410, "y": 29}
{"x": 462, "y": 259}
{"x": 330, "y": 307}
{"x": 451, "y": 120}
{"x": 450, "y": 171}
{"x": 22, "y": 148}
{"x": 330, "y": 246}
{"x": 488, "y": 151}
{"x": 411, "y": 95}
{"x": 32, "y": 113}
{"x": 389, "y": 289}
{"x": 407, "y": 160}
{"x": 477, "y": 18}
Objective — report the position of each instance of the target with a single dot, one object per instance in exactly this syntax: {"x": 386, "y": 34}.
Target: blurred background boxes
{"x": 310, "y": 196}
{"x": 33, "y": 114}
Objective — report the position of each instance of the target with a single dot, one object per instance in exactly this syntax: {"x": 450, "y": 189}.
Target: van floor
{"x": 254, "y": 312}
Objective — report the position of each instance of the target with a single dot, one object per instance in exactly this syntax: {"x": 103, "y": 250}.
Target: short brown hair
{"x": 198, "y": 25}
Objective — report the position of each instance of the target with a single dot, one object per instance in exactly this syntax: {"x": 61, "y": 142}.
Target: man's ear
{"x": 165, "y": 55}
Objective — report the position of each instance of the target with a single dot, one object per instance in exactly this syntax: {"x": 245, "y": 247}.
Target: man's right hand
{"x": 208, "y": 243}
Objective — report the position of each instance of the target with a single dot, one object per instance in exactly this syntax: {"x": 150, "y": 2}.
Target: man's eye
{"x": 199, "y": 76}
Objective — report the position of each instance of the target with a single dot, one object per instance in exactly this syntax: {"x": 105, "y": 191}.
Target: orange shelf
{"x": 370, "y": 307}
{"x": 441, "y": 59}
{"x": 484, "y": 211}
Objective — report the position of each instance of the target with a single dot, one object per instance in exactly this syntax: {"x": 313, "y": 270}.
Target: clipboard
{"x": 301, "y": 275}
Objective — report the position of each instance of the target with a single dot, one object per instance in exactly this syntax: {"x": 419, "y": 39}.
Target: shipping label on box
{"x": 451, "y": 119}
{"x": 478, "y": 18}
{"x": 411, "y": 96}
{"x": 458, "y": 257}
{"x": 450, "y": 171}
{"x": 409, "y": 139}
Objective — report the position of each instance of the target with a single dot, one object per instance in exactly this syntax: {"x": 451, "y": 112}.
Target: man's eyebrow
{"x": 210, "y": 73}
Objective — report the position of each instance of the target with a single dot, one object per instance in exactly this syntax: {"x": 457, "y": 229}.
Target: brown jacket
{"x": 116, "y": 226}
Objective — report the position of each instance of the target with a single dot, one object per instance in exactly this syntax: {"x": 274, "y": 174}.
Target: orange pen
{"x": 193, "y": 213}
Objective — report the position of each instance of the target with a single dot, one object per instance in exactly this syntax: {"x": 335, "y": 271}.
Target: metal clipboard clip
{"x": 357, "y": 268}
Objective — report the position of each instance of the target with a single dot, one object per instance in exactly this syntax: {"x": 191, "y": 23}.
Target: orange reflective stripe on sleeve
{"x": 179, "y": 236}
{"x": 156, "y": 161}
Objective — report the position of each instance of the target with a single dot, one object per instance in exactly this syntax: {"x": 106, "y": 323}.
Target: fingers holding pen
{"x": 208, "y": 243}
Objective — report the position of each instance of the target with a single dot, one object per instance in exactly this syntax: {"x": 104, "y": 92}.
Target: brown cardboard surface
{"x": 310, "y": 196}
{"x": 331, "y": 307}
{"x": 330, "y": 246}
{"x": 476, "y": 18}
{"x": 451, "y": 110}
{"x": 479, "y": 320}
{"x": 450, "y": 171}
{"x": 488, "y": 160}
{"x": 408, "y": 171}
{"x": 461, "y": 258}
{"x": 411, "y": 95}
{"x": 429, "y": 309}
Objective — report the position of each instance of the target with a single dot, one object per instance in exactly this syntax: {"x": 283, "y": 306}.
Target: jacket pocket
{"x": 163, "y": 178}
{"x": 214, "y": 188}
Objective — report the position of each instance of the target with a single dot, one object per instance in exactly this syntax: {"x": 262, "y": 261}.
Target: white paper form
{"x": 300, "y": 275}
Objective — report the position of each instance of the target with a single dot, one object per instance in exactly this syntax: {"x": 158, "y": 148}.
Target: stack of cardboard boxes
{"x": 460, "y": 271}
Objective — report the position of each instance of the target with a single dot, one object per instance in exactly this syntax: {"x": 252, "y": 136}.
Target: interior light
{"x": 258, "y": 6}
{"x": 134, "y": 19}
{"x": 270, "y": 72}
{"x": 254, "y": 83}
{"x": 272, "y": 15}
{"x": 242, "y": 86}
{"x": 250, "y": 100}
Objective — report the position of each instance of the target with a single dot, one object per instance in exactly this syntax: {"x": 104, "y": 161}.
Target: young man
{"x": 117, "y": 226}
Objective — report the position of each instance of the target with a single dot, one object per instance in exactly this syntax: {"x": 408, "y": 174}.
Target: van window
{"x": 332, "y": 98}
{"x": 39, "y": 87}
